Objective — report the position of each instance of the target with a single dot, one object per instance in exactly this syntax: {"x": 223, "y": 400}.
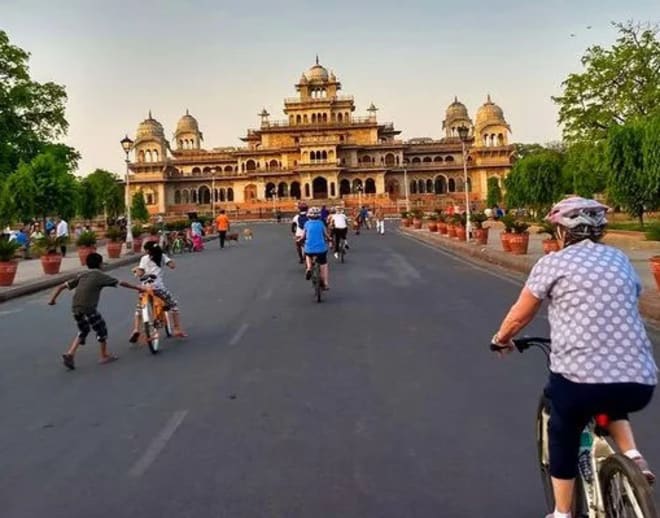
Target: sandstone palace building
{"x": 321, "y": 151}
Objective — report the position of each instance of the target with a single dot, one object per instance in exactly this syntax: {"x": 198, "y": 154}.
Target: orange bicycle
{"x": 155, "y": 316}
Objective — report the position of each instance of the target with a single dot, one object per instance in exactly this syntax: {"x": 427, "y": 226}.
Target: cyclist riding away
{"x": 315, "y": 237}
{"x": 151, "y": 265}
{"x": 339, "y": 227}
{"x": 602, "y": 359}
{"x": 297, "y": 227}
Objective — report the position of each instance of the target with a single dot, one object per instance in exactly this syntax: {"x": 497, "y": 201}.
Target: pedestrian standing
{"x": 62, "y": 233}
{"x": 88, "y": 286}
{"x": 379, "y": 214}
{"x": 222, "y": 226}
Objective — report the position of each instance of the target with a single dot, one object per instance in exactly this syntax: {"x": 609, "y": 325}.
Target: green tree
{"x": 494, "y": 193}
{"x": 618, "y": 84}
{"x": 109, "y": 193}
{"x": 31, "y": 113}
{"x": 628, "y": 182}
{"x": 535, "y": 181}
{"x": 139, "y": 210}
{"x": 585, "y": 168}
{"x": 87, "y": 202}
{"x": 651, "y": 153}
{"x": 17, "y": 197}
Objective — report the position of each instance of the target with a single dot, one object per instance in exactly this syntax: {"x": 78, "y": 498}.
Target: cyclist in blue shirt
{"x": 316, "y": 240}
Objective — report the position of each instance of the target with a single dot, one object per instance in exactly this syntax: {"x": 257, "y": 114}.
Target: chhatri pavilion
{"x": 320, "y": 151}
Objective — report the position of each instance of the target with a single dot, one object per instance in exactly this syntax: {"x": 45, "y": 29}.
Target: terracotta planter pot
{"x": 451, "y": 230}
{"x": 406, "y": 222}
{"x": 442, "y": 228}
{"x": 504, "y": 239}
{"x": 137, "y": 245}
{"x": 481, "y": 235}
{"x": 51, "y": 263}
{"x": 519, "y": 243}
{"x": 433, "y": 226}
{"x": 550, "y": 245}
{"x": 655, "y": 269}
{"x": 417, "y": 224}
{"x": 7, "y": 272}
{"x": 461, "y": 233}
{"x": 83, "y": 252}
{"x": 114, "y": 249}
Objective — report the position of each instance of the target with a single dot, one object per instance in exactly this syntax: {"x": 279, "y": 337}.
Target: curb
{"x": 649, "y": 302}
{"x": 54, "y": 280}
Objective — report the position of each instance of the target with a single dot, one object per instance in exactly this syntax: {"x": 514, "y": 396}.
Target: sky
{"x": 225, "y": 61}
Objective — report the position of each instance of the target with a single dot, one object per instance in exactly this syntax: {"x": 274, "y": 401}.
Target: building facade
{"x": 320, "y": 151}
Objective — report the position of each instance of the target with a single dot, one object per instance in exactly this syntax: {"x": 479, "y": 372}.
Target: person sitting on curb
{"x": 88, "y": 286}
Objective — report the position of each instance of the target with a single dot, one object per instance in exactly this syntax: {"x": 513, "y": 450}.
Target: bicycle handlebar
{"x": 522, "y": 344}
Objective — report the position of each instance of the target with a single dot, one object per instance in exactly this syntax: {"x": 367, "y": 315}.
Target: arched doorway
{"x": 370, "y": 186}
{"x": 344, "y": 187}
{"x": 294, "y": 192}
{"x": 250, "y": 165}
{"x": 230, "y": 194}
{"x": 283, "y": 190}
{"x": 389, "y": 159}
{"x": 249, "y": 193}
{"x": 393, "y": 188}
{"x": 204, "y": 195}
{"x": 270, "y": 190}
{"x": 357, "y": 185}
{"x": 440, "y": 185}
{"x": 320, "y": 187}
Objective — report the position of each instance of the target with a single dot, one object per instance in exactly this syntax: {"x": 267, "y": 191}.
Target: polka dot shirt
{"x": 597, "y": 333}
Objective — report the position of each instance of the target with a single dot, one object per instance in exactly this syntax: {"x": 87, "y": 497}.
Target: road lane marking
{"x": 158, "y": 444}
{"x": 10, "y": 312}
{"x": 238, "y": 334}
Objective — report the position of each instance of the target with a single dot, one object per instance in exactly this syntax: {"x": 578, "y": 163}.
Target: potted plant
{"x": 551, "y": 244}
{"x": 480, "y": 232}
{"x": 460, "y": 222}
{"x": 86, "y": 244}
{"x": 115, "y": 238}
{"x": 433, "y": 223}
{"x": 48, "y": 247}
{"x": 8, "y": 265}
{"x": 451, "y": 226}
{"x": 137, "y": 231}
{"x": 405, "y": 218}
{"x": 442, "y": 223}
{"x": 519, "y": 239}
{"x": 508, "y": 220}
{"x": 655, "y": 269}
{"x": 417, "y": 219}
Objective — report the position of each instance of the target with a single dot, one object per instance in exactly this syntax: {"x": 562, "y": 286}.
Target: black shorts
{"x": 321, "y": 258}
{"x": 90, "y": 319}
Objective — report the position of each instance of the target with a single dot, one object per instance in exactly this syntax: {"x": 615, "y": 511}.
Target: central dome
{"x": 187, "y": 124}
{"x": 456, "y": 110}
{"x": 317, "y": 72}
{"x": 150, "y": 127}
{"x": 490, "y": 113}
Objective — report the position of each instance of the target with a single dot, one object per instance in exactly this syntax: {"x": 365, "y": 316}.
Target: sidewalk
{"x": 30, "y": 277}
{"x": 638, "y": 252}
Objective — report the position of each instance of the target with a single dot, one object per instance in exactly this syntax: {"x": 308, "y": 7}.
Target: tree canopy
{"x": 139, "y": 210}
{"x": 618, "y": 84}
{"x": 108, "y": 192}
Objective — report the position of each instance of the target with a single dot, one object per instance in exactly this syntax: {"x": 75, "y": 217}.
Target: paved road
{"x": 380, "y": 402}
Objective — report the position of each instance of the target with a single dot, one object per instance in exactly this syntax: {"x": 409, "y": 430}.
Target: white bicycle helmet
{"x": 581, "y": 217}
{"x": 314, "y": 212}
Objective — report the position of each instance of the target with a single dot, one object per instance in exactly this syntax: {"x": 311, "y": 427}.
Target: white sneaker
{"x": 336, "y": 255}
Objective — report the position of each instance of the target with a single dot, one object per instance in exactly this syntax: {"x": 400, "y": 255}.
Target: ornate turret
{"x": 187, "y": 134}
{"x": 150, "y": 143}
{"x": 491, "y": 128}
{"x": 455, "y": 117}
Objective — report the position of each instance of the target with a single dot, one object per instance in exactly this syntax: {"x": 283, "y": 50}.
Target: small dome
{"x": 150, "y": 127}
{"x": 333, "y": 77}
{"x": 187, "y": 124}
{"x": 303, "y": 79}
{"x": 456, "y": 110}
{"x": 317, "y": 72}
{"x": 490, "y": 113}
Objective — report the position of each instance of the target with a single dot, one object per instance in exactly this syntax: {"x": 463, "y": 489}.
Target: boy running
{"x": 88, "y": 286}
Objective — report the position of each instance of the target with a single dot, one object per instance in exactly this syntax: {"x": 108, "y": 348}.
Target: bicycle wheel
{"x": 150, "y": 332}
{"x": 578, "y": 509}
{"x": 626, "y": 492}
{"x": 167, "y": 323}
{"x": 316, "y": 280}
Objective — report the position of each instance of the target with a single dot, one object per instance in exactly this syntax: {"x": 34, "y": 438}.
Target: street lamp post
{"x": 273, "y": 194}
{"x": 405, "y": 187}
{"x": 463, "y": 132}
{"x": 359, "y": 190}
{"x": 213, "y": 193}
{"x": 127, "y": 145}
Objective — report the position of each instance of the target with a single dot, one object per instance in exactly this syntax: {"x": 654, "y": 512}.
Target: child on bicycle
{"x": 88, "y": 286}
{"x": 151, "y": 265}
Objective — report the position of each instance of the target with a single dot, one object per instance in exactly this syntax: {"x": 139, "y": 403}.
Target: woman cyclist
{"x": 151, "y": 265}
{"x": 602, "y": 359}
{"x": 315, "y": 238}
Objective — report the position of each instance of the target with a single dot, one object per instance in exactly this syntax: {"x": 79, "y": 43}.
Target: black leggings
{"x": 574, "y": 404}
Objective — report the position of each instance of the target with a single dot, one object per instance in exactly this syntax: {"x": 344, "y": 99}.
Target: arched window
{"x": 295, "y": 190}
{"x": 413, "y": 187}
{"x": 148, "y": 155}
{"x": 449, "y": 159}
{"x": 206, "y": 170}
{"x": 340, "y": 117}
{"x": 420, "y": 186}
{"x": 438, "y": 159}
{"x": 427, "y": 159}
{"x": 156, "y": 155}
{"x": 452, "y": 185}
{"x": 313, "y": 118}
{"x": 230, "y": 194}
{"x": 196, "y": 171}
{"x": 177, "y": 197}
{"x": 332, "y": 189}
{"x": 270, "y": 190}
{"x": 204, "y": 195}
{"x": 324, "y": 155}
{"x": 370, "y": 186}
{"x": 250, "y": 165}
{"x": 305, "y": 119}
{"x": 389, "y": 159}
{"x": 249, "y": 193}
{"x": 222, "y": 194}
{"x": 180, "y": 144}
{"x": 283, "y": 190}
{"x": 186, "y": 196}
{"x": 193, "y": 196}
{"x": 306, "y": 190}
{"x": 416, "y": 160}
{"x": 325, "y": 117}
{"x": 141, "y": 156}
{"x": 440, "y": 186}
{"x": 357, "y": 185}
{"x": 274, "y": 164}
{"x": 429, "y": 186}
{"x": 344, "y": 187}
{"x": 298, "y": 119}
{"x": 500, "y": 139}
{"x": 228, "y": 169}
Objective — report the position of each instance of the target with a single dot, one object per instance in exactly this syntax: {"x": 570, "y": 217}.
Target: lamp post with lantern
{"x": 127, "y": 145}
{"x": 463, "y": 132}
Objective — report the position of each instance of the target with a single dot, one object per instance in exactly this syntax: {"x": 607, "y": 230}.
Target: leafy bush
{"x": 547, "y": 228}
{"x": 8, "y": 249}
{"x": 86, "y": 238}
{"x": 653, "y": 231}
{"x": 520, "y": 227}
{"x": 478, "y": 218}
{"x": 508, "y": 220}
{"x": 115, "y": 234}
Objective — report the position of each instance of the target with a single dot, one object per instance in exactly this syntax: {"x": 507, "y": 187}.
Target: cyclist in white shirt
{"x": 339, "y": 225}
{"x": 297, "y": 227}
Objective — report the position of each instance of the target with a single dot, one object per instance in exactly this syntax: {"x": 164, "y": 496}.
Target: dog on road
{"x": 247, "y": 234}
{"x": 233, "y": 236}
